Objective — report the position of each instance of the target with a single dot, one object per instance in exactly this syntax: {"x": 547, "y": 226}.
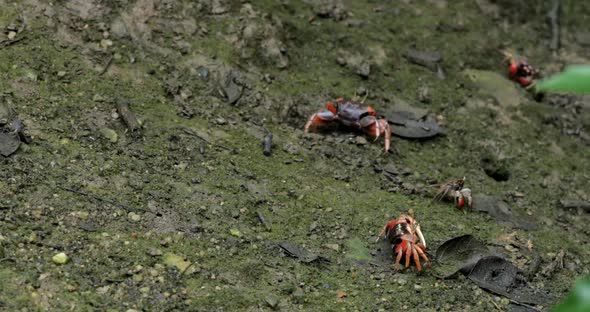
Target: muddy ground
{"x": 169, "y": 216}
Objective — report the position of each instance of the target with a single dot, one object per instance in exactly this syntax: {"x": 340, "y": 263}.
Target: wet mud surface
{"x": 136, "y": 140}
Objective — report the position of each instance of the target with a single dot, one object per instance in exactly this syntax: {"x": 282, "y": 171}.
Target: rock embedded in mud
{"x": 109, "y": 134}
{"x": 132, "y": 216}
{"x": 9, "y": 143}
{"x": 502, "y": 212}
{"x": 424, "y": 95}
{"x": 359, "y": 64}
{"x": 360, "y": 140}
{"x": 229, "y": 86}
{"x": 430, "y": 60}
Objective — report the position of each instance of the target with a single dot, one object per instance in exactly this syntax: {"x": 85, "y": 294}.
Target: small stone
{"x": 334, "y": 247}
{"x": 61, "y": 74}
{"x": 134, "y": 217}
{"x": 417, "y": 287}
{"x": 505, "y": 301}
{"x": 138, "y": 278}
{"x": 291, "y": 149}
{"x": 364, "y": 70}
{"x": 360, "y": 140}
{"x": 220, "y": 121}
{"x": 155, "y": 252}
{"x": 361, "y": 91}
{"x": 401, "y": 281}
{"x": 177, "y": 261}
{"x": 235, "y": 232}
{"x": 272, "y": 301}
{"x": 424, "y": 95}
{"x": 203, "y": 73}
{"x": 11, "y": 35}
{"x": 105, "y": 43}
{"x": 60, "y": 258}
{"x": 97, "y": 98}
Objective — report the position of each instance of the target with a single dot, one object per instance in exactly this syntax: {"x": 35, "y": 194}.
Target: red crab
{"x": 455, "y": 189}
{"x": 352, "y": 114}
{"x": 406, "y": 238}
{"x": 520, "y": 70}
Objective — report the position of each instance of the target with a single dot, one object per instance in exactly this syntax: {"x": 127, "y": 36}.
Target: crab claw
{"x": 463, "y": 196}
{"x": 383, "y": 126}
{"x": 375, "y": 127}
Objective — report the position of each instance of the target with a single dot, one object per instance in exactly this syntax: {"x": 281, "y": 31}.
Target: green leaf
{"x": 578, "y": 300}
{"x": 575, "y": 79}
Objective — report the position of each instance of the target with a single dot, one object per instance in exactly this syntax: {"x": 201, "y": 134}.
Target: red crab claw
{"x": 320, "y": 118}
{"x": 463, "y": 196}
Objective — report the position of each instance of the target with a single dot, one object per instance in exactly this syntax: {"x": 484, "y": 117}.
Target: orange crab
{"x": 352, "y": 114}
{"x": 406, "y": 238}
{"x": 455, "y": 189}
{"x": 520, "y": 70}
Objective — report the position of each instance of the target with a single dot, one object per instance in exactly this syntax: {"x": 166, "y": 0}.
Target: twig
{"x": 497, "y": 306}
{"x": 185, "y": 269}
{"x": 128, "y": 116}
{"x": 6, "y": 43}
{"x": 7, "y": 259}
{"x": 106, "y": 67}
{"x": 524, "y": 305}
{"x": 575, "y": 204}
{"x": 553, "y": 21}
{"x": 101, "y": 199}
{"x": 191, "y": 132}
{"x": 263, "y": 221}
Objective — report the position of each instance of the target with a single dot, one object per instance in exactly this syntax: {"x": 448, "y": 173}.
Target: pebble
{"x": 105, "y": 43}
{"x": 291, "y": 149}
{"x": 220, "y": 121}
{"x": 60, "y": 258}
{"x": 132, "y": 216}
{"x": 235, "y": 232}
{"x": 154, "y": 252}
{"x": 360, "y": 140}
{"x": 109, "y": 134}
{"x": 334, "y": 247}
{"x": 272, "y": 301}
{"x": 424, "y": 95}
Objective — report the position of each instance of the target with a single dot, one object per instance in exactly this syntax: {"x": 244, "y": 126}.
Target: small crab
{"x": 455, "y": 189}
{"x": 352, "y": 114}
{"x": 520, "y": 70}
{"x": 406, "y": 238}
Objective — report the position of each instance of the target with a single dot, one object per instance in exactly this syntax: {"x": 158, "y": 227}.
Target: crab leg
{"x": 398, "y": 258}
{"x": 422, "y": 254}
{"x": 310, "y": 121}
{"x": 320, "y": 118}
{"x": 408, "y": 252}
{"x": 377, "y": 130}
{"x": 387, "y": 136}
{"x": 416, "y": 259}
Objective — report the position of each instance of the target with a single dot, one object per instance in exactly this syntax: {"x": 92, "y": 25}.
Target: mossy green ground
{"x": 191, "y": 194}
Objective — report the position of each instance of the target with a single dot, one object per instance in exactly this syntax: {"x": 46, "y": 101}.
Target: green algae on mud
{"x": 323, "y": 194}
